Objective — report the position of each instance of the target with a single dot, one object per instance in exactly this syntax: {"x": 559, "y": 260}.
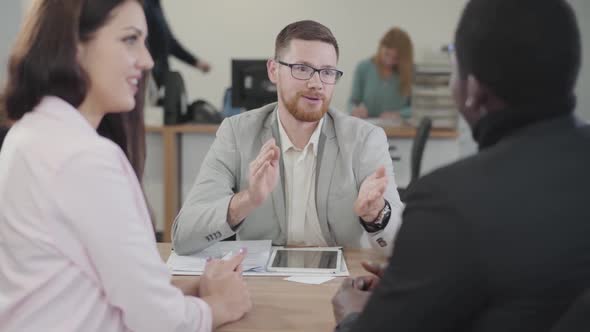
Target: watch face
{"x": 382, "y": 214}
{"x": 380, "y": 218}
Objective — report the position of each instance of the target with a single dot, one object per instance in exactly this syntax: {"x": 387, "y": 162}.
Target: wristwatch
{"x": 380, "y": 222}
{"x": 383, "y": 215}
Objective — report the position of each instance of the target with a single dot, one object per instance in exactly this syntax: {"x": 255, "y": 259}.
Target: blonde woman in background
{"x": 382, "y": 84}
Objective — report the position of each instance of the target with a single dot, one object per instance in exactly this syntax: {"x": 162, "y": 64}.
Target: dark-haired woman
{"x": 77, "y": 250}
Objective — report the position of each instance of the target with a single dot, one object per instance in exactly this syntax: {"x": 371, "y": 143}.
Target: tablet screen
{"x": 305, "y": 259}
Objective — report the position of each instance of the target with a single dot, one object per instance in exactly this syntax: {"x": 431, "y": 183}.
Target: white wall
{"x": 10, "y": 14}
{"x": 26, "y": 4}
{"x": 582, "y": 8}
{"x": 219, "y": 30}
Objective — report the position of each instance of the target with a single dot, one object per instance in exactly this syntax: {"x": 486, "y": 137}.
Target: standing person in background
{"x": 161, "y": 43}
{"x": 77, "y": 249}
{"x": 382, "y": 84}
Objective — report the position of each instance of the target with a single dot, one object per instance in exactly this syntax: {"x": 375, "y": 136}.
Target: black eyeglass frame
{"x": 339, "y": 73}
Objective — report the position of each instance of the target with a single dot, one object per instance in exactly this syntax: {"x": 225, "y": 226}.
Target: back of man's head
{"x": 526, "y": 51}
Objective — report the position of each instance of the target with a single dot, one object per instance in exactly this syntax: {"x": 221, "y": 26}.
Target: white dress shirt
{"x": 300, "y": 197}
{"x": 77, "y": 249}
{"x": 300, "y": 170}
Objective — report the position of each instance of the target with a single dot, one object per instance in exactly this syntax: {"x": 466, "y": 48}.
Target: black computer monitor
{"x": 251, "y": 87}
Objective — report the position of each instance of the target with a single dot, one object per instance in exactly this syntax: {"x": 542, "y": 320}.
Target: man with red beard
{"x": 295, "y": 172}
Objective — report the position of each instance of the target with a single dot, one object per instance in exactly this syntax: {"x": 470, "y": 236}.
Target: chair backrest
{"x": 3, "y": 132}
{"x": 422, "y": 134}
{"x": 175, "y": 101}
{"x": 577, "y": 317}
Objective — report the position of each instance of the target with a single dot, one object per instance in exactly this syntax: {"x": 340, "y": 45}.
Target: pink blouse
{"x": 77, "y": 250}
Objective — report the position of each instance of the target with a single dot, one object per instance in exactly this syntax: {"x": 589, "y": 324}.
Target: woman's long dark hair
{"x": 127, "y": 130}
{"x": 44, "y": 63}
{"x": 44, "y": 60}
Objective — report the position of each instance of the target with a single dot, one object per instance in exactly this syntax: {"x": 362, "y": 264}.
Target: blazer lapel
{"x": 326, "y": 160}
{"x": 271, "y": 129}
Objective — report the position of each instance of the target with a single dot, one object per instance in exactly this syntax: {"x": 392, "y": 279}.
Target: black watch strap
{"x": 378, "y": 225}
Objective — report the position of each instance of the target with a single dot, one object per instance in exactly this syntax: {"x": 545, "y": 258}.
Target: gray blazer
{"x": 349, "y": 150}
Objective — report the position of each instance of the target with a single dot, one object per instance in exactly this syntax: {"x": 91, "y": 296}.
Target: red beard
{"x": 303, "y": 114}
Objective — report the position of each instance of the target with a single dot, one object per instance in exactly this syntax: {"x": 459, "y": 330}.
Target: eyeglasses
{"x": 305, "y": 72}
{"x": 448, "y": 48}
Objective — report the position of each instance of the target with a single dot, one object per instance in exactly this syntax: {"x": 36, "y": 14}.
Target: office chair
{"x": 3, "y": 132}
{"x": 422, "y": 134}
{"x": 418, "y": 146}
{"x": 577, "y": 317}
{"x": 178, "y": 110}
{"x": 175, "y": 101}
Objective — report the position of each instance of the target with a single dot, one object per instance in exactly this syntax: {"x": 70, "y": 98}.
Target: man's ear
{"x": 476, "y": 94}
{"x": 272, "y": 68}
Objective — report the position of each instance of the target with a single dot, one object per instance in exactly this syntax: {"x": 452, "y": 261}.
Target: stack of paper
{"x": 254, "y": 264}
{"x": 255, "y": 261}
{"x": 432, "y": 96}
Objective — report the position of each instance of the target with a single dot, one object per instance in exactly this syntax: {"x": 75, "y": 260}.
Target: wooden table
{"x": 171, "y": 137}
{"x": 285, "y": 306}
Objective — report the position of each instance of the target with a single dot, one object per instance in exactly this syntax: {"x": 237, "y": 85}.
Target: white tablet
{"x": 305, "y": 260}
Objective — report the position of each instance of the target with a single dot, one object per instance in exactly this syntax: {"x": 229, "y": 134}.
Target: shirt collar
{"x": 67, "y": 113}
{"x": 495, "y": 126}
{"x": 286, "y": 143}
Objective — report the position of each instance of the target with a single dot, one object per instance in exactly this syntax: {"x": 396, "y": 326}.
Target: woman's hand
{"x": 223, "y": 288}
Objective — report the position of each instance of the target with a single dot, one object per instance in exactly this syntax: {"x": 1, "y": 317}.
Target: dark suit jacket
{"x": 577, "y": 318}
{"x": 496, "y": 242}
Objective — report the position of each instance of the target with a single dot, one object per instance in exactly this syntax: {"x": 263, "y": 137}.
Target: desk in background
{"x": 285, "y": 306}
{"x": 182, "y": 148}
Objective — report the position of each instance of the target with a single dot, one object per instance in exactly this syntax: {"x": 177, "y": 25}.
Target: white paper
{"x": 310, "y": 280}
{"x": 256, "y": 257}
{"x": 179, "y": 266}
{"x": 186, "y": 263}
